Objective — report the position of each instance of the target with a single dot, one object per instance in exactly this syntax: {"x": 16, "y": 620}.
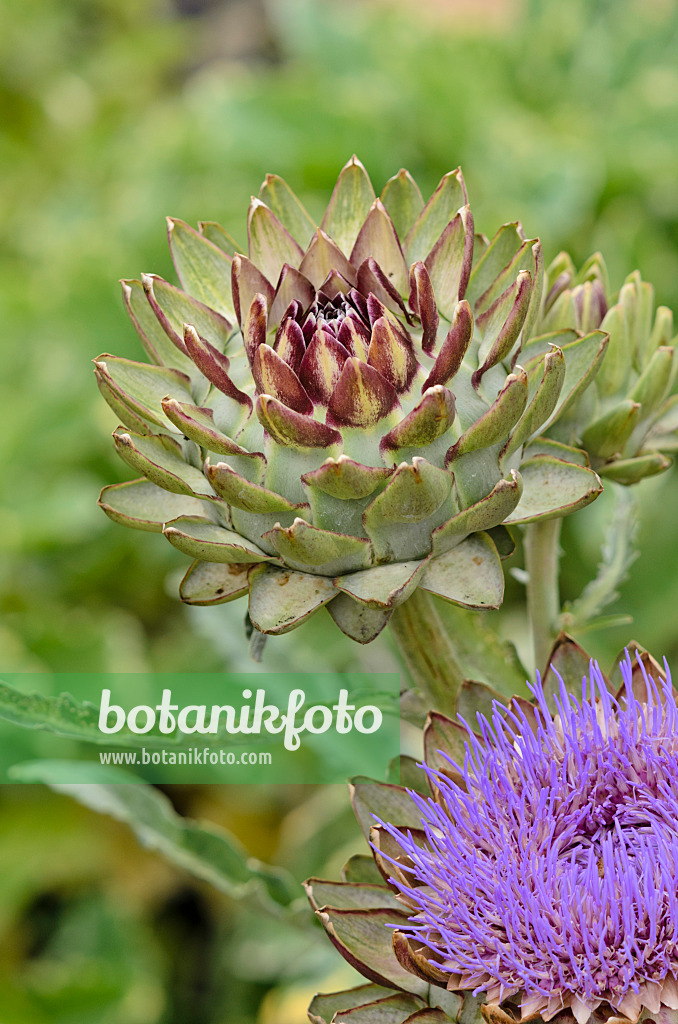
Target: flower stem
{"x": 427, "y": 651}
{"x": 542, "y": 553}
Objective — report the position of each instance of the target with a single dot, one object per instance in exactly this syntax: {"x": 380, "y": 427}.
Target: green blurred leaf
{"x": 202, "y": 849}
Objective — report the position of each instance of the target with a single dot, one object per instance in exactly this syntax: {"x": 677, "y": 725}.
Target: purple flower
{"x": 545, "y": 871}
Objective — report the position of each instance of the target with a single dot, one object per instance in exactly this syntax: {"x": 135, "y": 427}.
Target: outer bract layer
{"x": 340, "y": 416}
{"x": 539, "y": 871}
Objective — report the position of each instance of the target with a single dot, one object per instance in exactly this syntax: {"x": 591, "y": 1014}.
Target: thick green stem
{"x": 542, "y": 554}
{"x": 427, "y": 651}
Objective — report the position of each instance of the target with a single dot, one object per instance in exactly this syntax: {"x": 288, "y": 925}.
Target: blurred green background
{"x": 115, "y": 113}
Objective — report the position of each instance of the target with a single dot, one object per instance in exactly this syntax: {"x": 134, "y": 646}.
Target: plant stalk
{"x": 542, "y": 554}
{"x": 428, "y": 652}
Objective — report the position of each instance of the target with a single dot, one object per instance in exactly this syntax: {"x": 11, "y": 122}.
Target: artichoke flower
{"x": 627, "y": 420}
{"x": 530, "y": 871}
{"x": 334, "y": 419}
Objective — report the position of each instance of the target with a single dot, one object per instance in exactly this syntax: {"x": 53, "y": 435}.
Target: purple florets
{"x": 549, "y": 874}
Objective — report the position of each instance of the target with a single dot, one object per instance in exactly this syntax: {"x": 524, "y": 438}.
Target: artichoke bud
{"x": 338, "y": 414}
{"x": 632, "y": 380}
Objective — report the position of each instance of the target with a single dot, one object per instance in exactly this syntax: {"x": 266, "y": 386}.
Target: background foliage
{"x": 115, "y": 113}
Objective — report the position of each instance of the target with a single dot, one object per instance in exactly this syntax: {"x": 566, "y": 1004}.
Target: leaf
{"x": 449, "y": 262}
{"x": 430, "y": 1016}
{"x": 444, "y": 736}
{"x": 499, "y": 253}
{"x": 378, "y": 239}
{"x": 477, "y": 699}
{"x": 322, "y": 552}
{"x": 203, "y": 849}
{"x": 416, "y": 500}
{"x": 495, "y": 424}
{"x": 140, "y": 388}
{"x": 63, "y": 715}
{"x": 158, "y": 346}
{"x": 630, "y": 471}
{"x": 618, "y": 553}
{"x": 214, "y": 233}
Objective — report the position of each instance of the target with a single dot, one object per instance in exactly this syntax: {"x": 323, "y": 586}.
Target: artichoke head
{"x": 339, "y": 416}
{"x": 627, "y": 421}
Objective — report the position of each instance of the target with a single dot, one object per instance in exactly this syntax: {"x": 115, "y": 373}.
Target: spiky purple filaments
{"x": 549, "y": 873}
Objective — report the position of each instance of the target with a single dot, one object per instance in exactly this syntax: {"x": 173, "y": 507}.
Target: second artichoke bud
{"x": 628, "y": 419}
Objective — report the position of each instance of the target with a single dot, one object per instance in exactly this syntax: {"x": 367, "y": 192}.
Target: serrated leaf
{"x": 618, "y": 554}
{"x": 204, "y": 850}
